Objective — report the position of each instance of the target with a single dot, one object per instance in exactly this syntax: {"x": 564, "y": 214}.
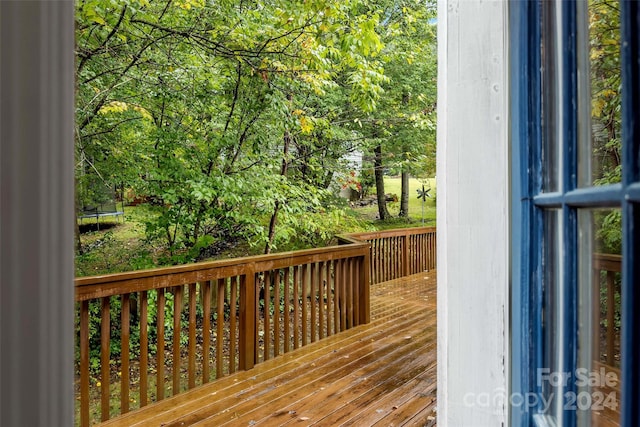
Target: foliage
{"x": 606, "y": 83}
{"x": 189, "y": 103}
{"x": 606, "y": 119}
{"x": 117, "y": 247}
{"x": 409, "y": 112}
{"x": 400, "y": 134}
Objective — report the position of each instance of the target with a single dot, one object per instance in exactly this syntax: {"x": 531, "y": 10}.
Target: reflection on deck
{"x": 381, "y": 373}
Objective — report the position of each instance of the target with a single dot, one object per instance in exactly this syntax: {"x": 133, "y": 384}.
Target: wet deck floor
{"x": 382, "y": 373}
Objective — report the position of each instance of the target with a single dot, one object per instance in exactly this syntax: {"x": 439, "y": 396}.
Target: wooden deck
{"x": 381, "y": 373}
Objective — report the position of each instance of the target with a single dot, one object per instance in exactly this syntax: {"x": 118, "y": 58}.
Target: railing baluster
{"x": 296, "y": 306}
{"x": 343, "y": 295}
{"x": 256, "y": 338}
{"x": 350, "y": 296}
{"x": 160, "y": 348}
{"x": 417, "y": 252}
{"x": 267, "y": 314}
{"x": 381, "y": 269}
{"x": 144, "y": 348}
{"x": 192, "y": 335}
{"x": 388, "y": 257}
{"x": 380, "y": 261}
{"x": 220, "y": 328}
{"x": 328, "y": 295}
{"x": 177, "y": 312}
{"x": 434, "y": 250}
{"x": 321, "y": 298}
{"x": 84, "y": 363}
{"x": 205, "y": 292}
{"x": 406, "y": 267}
{"x": 233, "y": 324}
{"x": 336, "y": 296}
{"x": 124, "y": 354}
{"x": 312, "y": 299}
{"x": 423, "y": 253}
{"x": 374, "y": 255}
{"x": 611, "y": 311}
{"x": 286, "y": 312}
{"x": 356, "y": 291}
{"x": 365, "y": 278}
{"x": 276, "y": 313}
{"x": 420, "y": 253}
{"x": 411, "y": 254}
{"x": 596, "y": 314}
{"x": 374, "y": 260}
{"x": 305, "y": 294}
{"x": 105, "y": 355}
{"x": 395, "y": 256}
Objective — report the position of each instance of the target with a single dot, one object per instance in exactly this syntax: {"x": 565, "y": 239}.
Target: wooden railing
{"x": 398, "y": 253}
{"x": 177, "y": 327}
{"x": 146, "y": 335}
{"x": 606, "y": 273}
{"x": 607, "y": 296}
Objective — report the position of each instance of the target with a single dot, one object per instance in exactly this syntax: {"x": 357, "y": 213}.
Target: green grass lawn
{"x": 117, "y": 246}
{"x": 393, "y": 185}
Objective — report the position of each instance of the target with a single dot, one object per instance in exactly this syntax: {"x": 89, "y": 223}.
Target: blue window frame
{"x": 551, "y": 250}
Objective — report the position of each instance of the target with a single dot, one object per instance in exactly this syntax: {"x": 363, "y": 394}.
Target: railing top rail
{"x": 391, "y": 233}
{"x": 114, "y": 284}
{"x": 608, "y": 262}
{"x": 134, "y": 281}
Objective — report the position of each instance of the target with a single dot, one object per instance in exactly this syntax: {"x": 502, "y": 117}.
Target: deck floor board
{"x": 382, "y": 373}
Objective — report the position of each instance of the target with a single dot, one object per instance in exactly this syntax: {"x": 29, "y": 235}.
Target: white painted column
{"x": 473, "y": 201}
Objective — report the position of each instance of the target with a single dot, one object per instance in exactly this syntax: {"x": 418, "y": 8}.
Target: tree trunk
{"x": 276, "y": 209}
{"x": 78, "y": 238}
{"x": 272, "y": 228}
{"x": 383, "y": 212}
{"x": 404, "y": 198}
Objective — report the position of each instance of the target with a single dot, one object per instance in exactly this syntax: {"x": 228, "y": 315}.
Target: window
{"x": 575, "y": 136}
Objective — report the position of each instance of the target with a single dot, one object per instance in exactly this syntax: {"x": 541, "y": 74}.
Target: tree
{"x": 187, "y": 102}
{"x": 606, "y": 111}
{"x": 402, "y": 137}
{"x": 411, "y": 67}
{"x": 383, "y": 212}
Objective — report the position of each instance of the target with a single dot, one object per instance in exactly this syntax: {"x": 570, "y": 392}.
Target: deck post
{"x": 247, "y": 331}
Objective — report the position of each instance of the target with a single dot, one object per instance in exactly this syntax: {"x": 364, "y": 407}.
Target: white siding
{"x": 473, "y": 250}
